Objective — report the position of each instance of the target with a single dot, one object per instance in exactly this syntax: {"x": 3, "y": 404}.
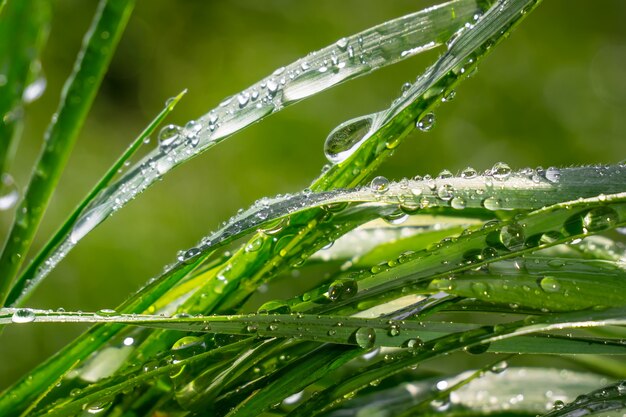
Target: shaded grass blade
{"x": 78, "y": 94}
{"x": 25, "y": 284}
{"x": 24, "y": 27}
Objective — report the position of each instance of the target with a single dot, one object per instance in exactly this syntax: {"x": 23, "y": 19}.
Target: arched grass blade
{"x": 350, "y": 57}
{"x": 78, "y": 94}
{"x": 26, "y": 283}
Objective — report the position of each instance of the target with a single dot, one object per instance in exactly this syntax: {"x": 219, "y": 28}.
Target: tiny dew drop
{"x": 549, "y": 284}
{"x": 342, "y": 289}
{"x": 379, "y": 184}
{"x": 106, "y": 312}
{"x": 8, "y": 192}
{"x": 599, "y": 218}
{"x": 23, "y": 315}
{"x": 346, "y": 138}
{"x": 449, "y": 96}
{"x": 365, "y": 337}
{"x": 168, "y": 136}
{"x": 512, "y": 236}
{"x": 426, "y": 123}
{"x": 501, "y": 171}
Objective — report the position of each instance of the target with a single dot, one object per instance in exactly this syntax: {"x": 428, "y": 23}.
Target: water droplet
{"x": 445, "y": 192}
{"x": 23, "y": 315}
{"x": 255, "y": 245}
{"x": 426, "y": 123}
{"x": 553, "y": 174}
{"x": 243, "y": 99}
{"x": 599, "y": 218}
{"x": 458, "y": 203}
{"x": 275, "y": 226}
{"x": 501, "y": 171}
{"x": 8, "y": 192}
{"x": 365, "y": 337}
{"x": 445, "y": 174}
{"x": 477, "y": 349}
{"x": 342, "y": 289}
{"x": 558, "y": 404}
{"x": 512, "y": 236}
{"x": 394, "y": 330}
{"x": 186, "y": 342}
{"x": 449, "y": 96}
{"x": 342, "y": 44}
{"x": 189, "y": 255}
{"x": 499, "y": 367}
{"x": 398, "y": 217}
{"x": 106, "y": 312}
{"x": 345, "y": 139}
{"x": 379, "y": 184}
{"x": 549, "y": 284}
{"x": 168, "y": 136}
{"x": 34, "y": 90}
{"x": 492, "y": 203}
{"x": 414, "y": 344}
{"x": 469, "y": 173}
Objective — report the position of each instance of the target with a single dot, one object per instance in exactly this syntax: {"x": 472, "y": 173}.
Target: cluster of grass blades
{"x": 444, "y": 290}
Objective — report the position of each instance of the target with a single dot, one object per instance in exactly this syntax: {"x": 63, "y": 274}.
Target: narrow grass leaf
{"x": 78, "y": 94}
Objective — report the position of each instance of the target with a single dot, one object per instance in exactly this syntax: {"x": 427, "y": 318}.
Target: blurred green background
{"x": 553, "y": 94}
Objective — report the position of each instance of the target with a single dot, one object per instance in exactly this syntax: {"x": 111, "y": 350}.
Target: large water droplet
{"x": 469, "y": 173}
{"x": 342, "y": 289}
{"x": 512, "y": 236}
{"x": 168, "y": 136}
{"x": 346, "y": 138}
{"x": 492, "y": 203}
{"x": 8, "y": 192}
{"x": 23, "y": 315}
{"x": 553, "y": 175}
{"x": 501, "y": 171}
{"x": 445, "y": 192}
{"x": 599, "y": 218}
{"x": 379, "y": 184}
{"x": 426, "y": 123}
{"x": 365, "y": 337}
{"x": 549, "y": 284}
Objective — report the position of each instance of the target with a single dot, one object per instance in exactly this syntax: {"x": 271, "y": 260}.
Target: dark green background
{"x": 553, "y": 94}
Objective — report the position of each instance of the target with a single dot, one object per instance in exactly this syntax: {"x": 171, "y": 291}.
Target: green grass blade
{"x": 78, "y": 94}
{"x": 26, "y": 282}
{"x": 24, "y": 27}
{"x": 361, "y": 54}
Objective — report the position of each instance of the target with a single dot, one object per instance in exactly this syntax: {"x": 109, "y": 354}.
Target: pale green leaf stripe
{"x": 526, "y": 189}
{"x": 384, "y": 136}
{"x": 20, "y": 291}
{"x": 78, "y": 94}
{"x": 486, "y": 335}
{"x": 362, "y": 53}
{"x": 429, "y": 332}
{"x": 326, "y": 329}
